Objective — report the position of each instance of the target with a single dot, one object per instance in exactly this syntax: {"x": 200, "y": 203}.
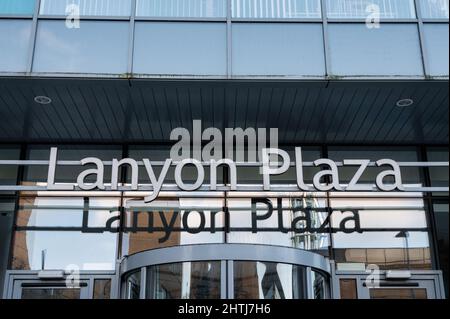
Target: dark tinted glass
{"x": 441, "y": 213}
{"x": 69, "y": 174}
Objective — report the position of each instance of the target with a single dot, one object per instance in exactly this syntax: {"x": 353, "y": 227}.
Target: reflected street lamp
{"x": 405, "y": 234}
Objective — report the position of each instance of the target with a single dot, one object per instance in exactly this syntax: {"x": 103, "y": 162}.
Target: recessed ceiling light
{"x": 43, "y": 100}
{"x": 405, "y": 102}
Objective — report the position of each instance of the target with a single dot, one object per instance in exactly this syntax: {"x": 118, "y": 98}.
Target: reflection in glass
{"x": 241, "y": 218}
{"x": 318, "y": 285}
{"x": 265, "y": 280}
{"x": 189, "y": 280}
{"x": 17, "y": 7}
{"x": 434, "y": 9}
{"x": 398, "y": 293}
{"x": 112, "y": 8}
{"x": 102, "y": 288}
{"x": 393, "y": 50}
{"x": 410, "y": 175}
{"x": 40, "y": 220}
{"x": 133, "y": 285}
{"x": 50, "y": 293}
{"x": 146, "y": 217}
{"x": 99, "y": 47}
{"x": 387, "y": 9}
{"x": 394, "y": 231}
{"x": 441, "y": 215}
{"x": 280, "y": 9}
{"x": 436, "y": 41}
{"x": 181, "y": 8}
{"x": 69, "y": 174}
{"x": 180, "y": 48}
{"x": 282, "y": 49}
{"x": 15, "y": 36}
{"x": 347, "y": 287}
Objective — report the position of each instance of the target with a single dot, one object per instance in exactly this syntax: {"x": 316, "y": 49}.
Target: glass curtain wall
{"x": 392, "y": 230}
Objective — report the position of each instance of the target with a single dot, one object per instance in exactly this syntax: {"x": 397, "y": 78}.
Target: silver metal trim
{"x": 208, "y": 252}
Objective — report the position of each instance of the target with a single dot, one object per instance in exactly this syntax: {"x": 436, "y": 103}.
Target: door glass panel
{"x": 102, "y": 289}
{"x": 265, "y": 280}
{"x": 348, "y": 289}
{"x": 398, "y": 293}
{"x": 133, "y": 285}
{"x": 50, "y": 293}
{"x": 189, "y": 280}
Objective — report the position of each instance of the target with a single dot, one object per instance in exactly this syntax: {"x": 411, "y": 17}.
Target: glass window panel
{"x": 241, "y": 219}
{"x": 278, "y": 49}
{"x": 434, "y": 9}
{"x": 51, "y": 293}
{"x": 319, "y": 285}
{"x": 441, "y": 214}
{"x": 160, "y": 154}
{"x": 182, "y": 8}
{"x": 180, "y": 48}
{"x": 392, "y": 50}
{"x": 17, "y": 7}
{"x": 69, "y": 174}
{"x": 102, "y": 288}
{"x": 96, "y": 47}
{"x": 133, "y": 285}
{"x": 15, "y": 39}
{"x": 148, "y": 218}
{"x": 437, "y": 44}
{"x": 394, "y": 231}
{"x": 114, "y": 8}
{"x": 90, "y": 249}
{"x": 189, "y": 280}
{"x": 410, "y": 175}
{"x": 348, "y": 289}
{"x": 266, "y": 280}
{"x": 8, "y": 173}
{"x": 398, "y": 293}
{"x": 385, "y": 258}
{"x": 7, "y": 207}
{"x": 279, "y": 9}
{"x": 438, "y": 175}
{"x": 67, "y": 212}
{"x": 361, "y": 9}
{"x": 87, "y": 251}
{"x": 251, "y": 175}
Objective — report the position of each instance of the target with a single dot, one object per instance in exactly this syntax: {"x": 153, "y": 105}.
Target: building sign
{"x": 275, "y": 161}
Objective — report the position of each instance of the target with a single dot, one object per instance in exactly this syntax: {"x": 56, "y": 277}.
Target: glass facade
{"x": 17, "y": 7}
{"x": 257, "y": 54}
{"x": 362, "y": 9}
{"x": 15, "y": 36}
{"x": 190, "y": 280}
{"x": 112, "y": 8}
{"x": 63, "y": 50}
{"x": 280, "y": 9}
{"x": 434, "y": 9}
{"x": 399, "y": 39}
{"x": 181, "y": 9}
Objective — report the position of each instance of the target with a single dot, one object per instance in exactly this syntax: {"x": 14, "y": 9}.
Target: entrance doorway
{"x": 229, "y": 271}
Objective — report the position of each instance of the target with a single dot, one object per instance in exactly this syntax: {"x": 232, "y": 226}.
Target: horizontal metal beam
{"x": 206, "y": 188}
{"x": 240, "y": 164}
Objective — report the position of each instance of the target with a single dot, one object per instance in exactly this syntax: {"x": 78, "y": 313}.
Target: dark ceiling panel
{"x": 147, "y": 111}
